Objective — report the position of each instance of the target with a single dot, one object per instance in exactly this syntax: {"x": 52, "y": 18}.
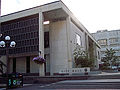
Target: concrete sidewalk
{"x": 82, "y": 81}
{"x": 107, "y": 73}
{"x": 3, "y": 86}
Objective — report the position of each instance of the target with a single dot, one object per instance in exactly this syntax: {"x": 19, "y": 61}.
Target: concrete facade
{"x": 108, "y": 39}
{"x": 63, "y": 28}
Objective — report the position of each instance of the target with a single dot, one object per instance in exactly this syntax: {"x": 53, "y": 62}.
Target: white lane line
{"x": 42, "y": 86}
{"x": 47, "y": 85}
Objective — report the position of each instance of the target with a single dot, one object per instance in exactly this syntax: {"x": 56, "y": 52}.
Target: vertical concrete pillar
{"x": 96, "y": 50}
{"x": 87, "y": 42}
{"x": 68, "y": 33}
{"x": 41, "y": 42}
{"x": 95, "y": 56}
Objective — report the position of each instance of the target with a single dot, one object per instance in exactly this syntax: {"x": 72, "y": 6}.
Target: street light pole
{"x": 3, "y": 44}
{"x": 7, "y": 58}
{"x": 7, "y": 38}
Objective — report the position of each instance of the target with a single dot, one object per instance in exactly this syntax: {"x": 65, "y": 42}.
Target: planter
{"x": 39, "y": 60}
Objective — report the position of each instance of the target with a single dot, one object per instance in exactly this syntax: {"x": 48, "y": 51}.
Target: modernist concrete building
{"x": 56, "y": 40}
{"x": 108, "y": 39}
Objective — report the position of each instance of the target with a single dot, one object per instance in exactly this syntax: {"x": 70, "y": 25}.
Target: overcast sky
{"x": 93, "y": 14}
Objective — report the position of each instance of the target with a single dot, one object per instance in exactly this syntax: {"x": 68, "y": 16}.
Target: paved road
{"x": 76, "y": 84}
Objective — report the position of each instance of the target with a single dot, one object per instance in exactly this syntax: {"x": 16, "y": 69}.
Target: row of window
{"x": 111, "y": 40}
{"x": 24, "y": 49}
{"x": 25, "y": 36}
{"x": 102, "y": 42}
{"x": 20, "y": 24}
{"x": 22, "y": 30}
{"x": 20, "y": 50}
{"x": 25, "y": 32}
{"x": 28, "y": 42}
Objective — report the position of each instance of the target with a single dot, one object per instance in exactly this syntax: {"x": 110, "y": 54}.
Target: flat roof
{"x": 53, "y": 5}
{"x": 31, "y": 8}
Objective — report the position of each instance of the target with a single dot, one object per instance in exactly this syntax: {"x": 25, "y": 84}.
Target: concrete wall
{"x": 58, "y": 46}
{"x": 21, "y": 65}
{"x": 34, "y": 68}
{"x": 75, "y": 30}
{"x": 48, "y": 63}
{"x": 98, "y": 57}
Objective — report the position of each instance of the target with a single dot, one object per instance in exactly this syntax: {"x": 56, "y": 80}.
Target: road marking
{"x": 53, "y": 83}
{"x": 47, "y": 85}
{"x": 42, "y": 86}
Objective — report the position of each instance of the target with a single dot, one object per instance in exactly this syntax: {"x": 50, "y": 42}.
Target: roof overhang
{"x": 56, "y": 14}
{"x": 51, "y": 11}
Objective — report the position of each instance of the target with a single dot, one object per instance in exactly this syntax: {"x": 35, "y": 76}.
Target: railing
{"x": 72, "y": 71}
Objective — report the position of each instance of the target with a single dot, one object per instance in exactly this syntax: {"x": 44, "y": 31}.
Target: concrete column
{"x": 95, "y": 56}
{"x": 41, "y": 42}
{"x": 87, "y": 42}
{"x": 68, "y": 33}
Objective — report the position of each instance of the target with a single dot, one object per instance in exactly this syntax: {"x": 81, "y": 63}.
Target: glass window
{"x": 78, "y": 39}
{"x": 31, "y": 48}
{"x": 113, "y": 40}
{"x": 102, "y": 42}
{"x": 46, "y": 39}
{"x": 98, "y": 55}
{"x": 31, "y": 34}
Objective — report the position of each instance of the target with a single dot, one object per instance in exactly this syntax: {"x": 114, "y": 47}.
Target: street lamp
{"x": 0, "y": 35}
{"x": 3, "y": 44}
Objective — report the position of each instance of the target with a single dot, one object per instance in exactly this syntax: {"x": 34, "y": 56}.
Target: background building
{"x": 50, "y": 29}
{"x": 108, "y": 39}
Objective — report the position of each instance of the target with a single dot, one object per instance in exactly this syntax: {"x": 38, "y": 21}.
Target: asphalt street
{"x": 75, "y": 84}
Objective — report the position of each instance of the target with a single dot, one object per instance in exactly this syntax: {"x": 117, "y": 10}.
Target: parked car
{"x": 114, "y": 67}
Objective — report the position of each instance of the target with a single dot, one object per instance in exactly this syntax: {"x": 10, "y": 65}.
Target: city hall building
{"x": 51, "y": 29}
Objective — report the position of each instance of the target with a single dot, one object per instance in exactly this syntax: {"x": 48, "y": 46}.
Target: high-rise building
{"x": 108, "y": 39}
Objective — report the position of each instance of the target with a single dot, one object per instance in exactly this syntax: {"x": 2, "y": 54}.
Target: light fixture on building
{"x": 46, "y": 22}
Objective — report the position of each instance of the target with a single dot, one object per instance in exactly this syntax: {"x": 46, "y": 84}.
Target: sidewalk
{"x": 3, "y": 86}
{"x": 29, "y": 80}
{"x": 95, "y": 81}
{"x": 108, "y": 73}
